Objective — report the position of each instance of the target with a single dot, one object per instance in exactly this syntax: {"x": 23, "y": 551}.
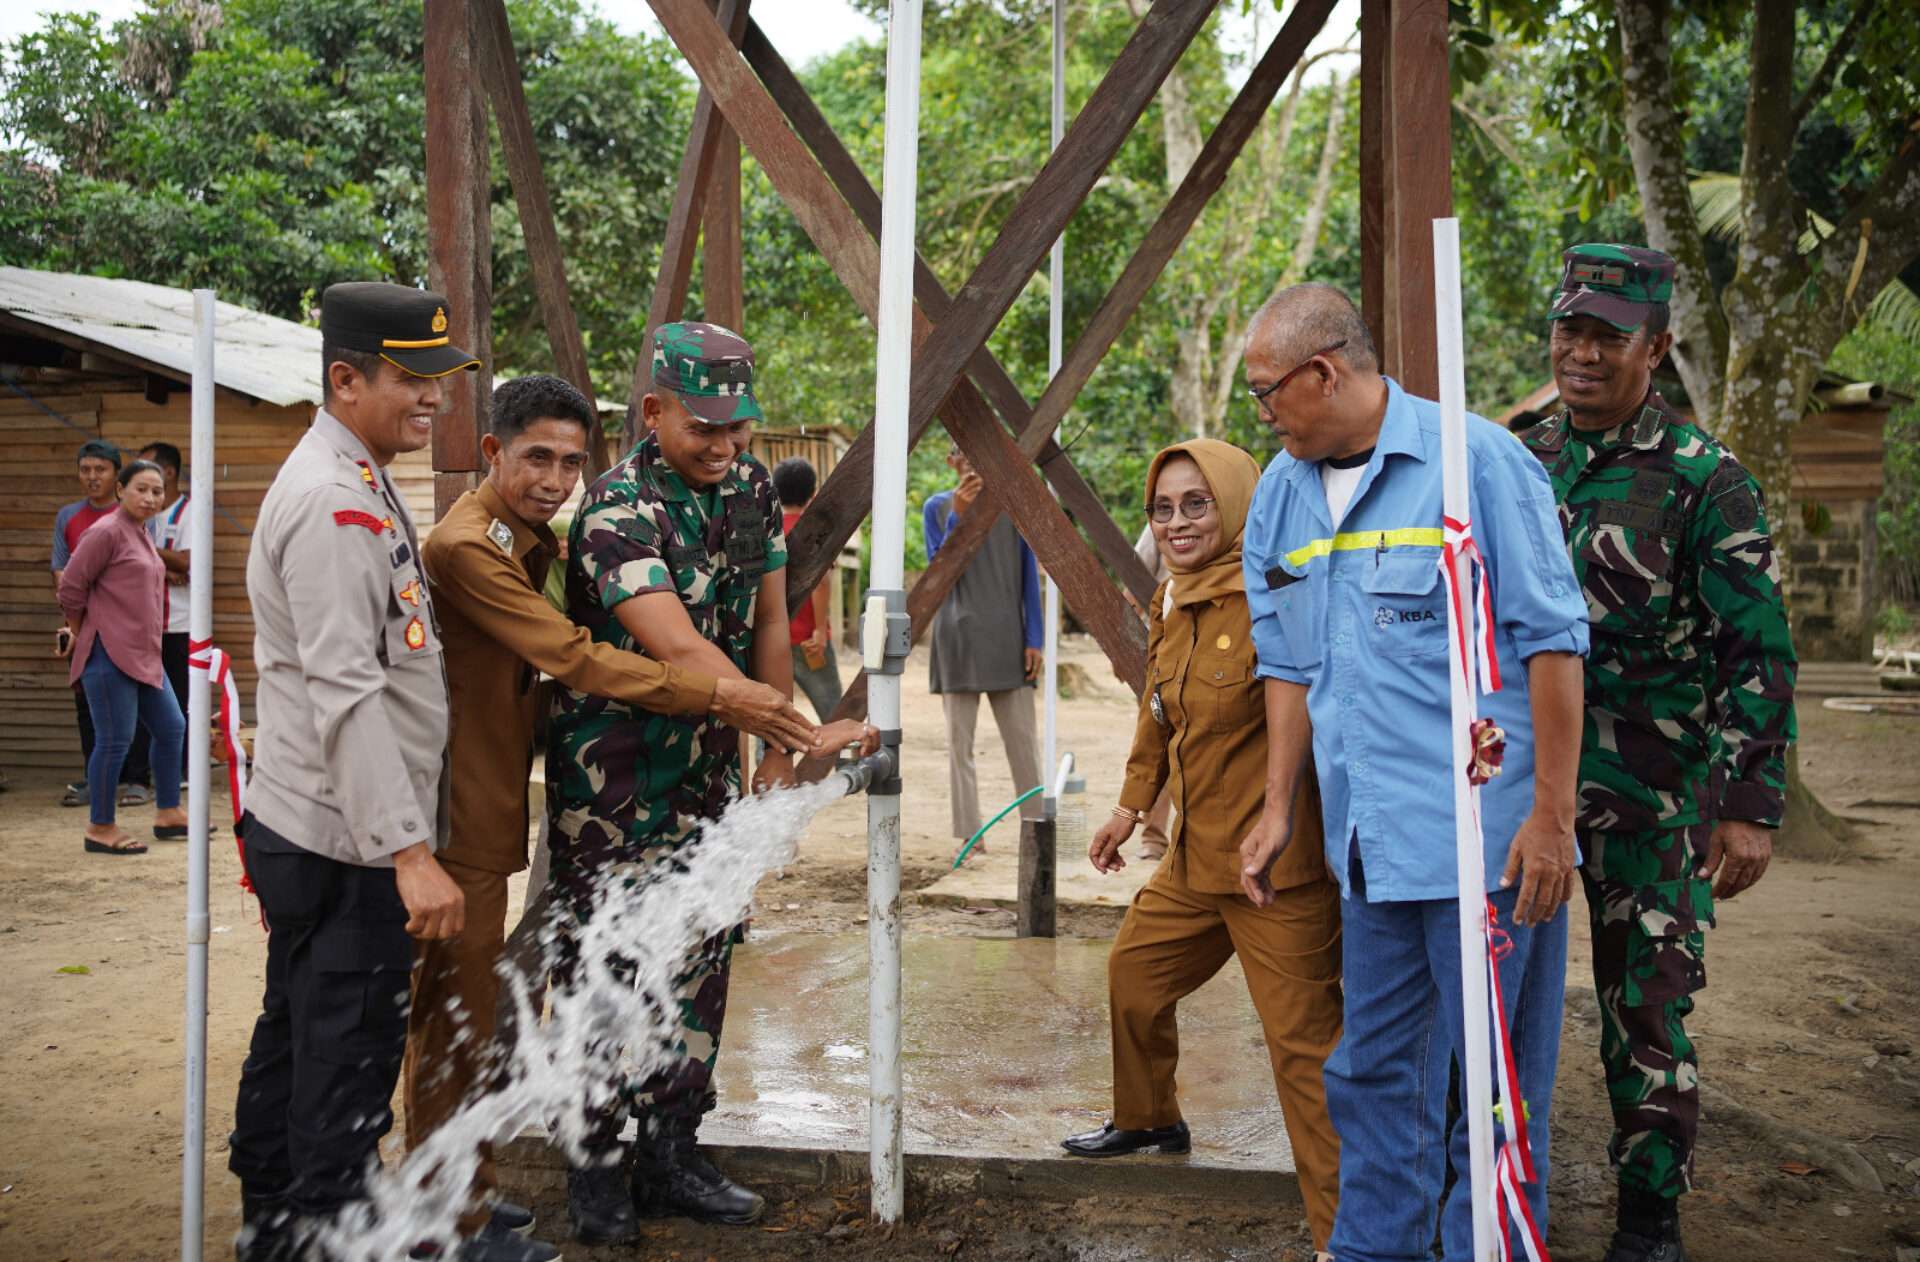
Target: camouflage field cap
{"x": 1616, "y": 283}
{"x": 710, "y": 368}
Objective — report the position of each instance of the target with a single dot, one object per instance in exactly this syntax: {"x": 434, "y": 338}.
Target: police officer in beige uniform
{"x": 344, "y": 804}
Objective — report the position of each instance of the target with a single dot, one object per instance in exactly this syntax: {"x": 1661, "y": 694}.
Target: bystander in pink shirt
{"x": 114, "y": 592}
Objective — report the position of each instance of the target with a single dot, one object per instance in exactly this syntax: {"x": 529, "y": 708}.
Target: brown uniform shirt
{"x": 1210, "y": 746}
{"x": 487, "y": 568}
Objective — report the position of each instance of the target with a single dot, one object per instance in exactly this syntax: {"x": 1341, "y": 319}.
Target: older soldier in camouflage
{"x": 1689, "y": 689}
{"x": 676, "y": 553}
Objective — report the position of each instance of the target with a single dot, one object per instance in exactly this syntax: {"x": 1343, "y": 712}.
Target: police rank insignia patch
{"x": 411, "y": 593}
{"x": 366, "y": 473}
{"x": 416, "y": 635}
{"x": 501, "y": 534}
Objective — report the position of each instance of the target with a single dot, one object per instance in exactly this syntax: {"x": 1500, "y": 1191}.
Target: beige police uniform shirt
{"x": 352, "y": 698}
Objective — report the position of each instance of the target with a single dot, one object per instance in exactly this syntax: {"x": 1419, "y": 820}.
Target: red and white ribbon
{"x": 1513, "y": 1163}
{"x": 1461, "y": 561}
{"x": 202, "y": 655}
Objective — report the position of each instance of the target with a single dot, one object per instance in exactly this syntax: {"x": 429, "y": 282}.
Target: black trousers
{"x": 136, "y": 769}
{"x": 173, "y": 660}
{"x": 316, "y": 1090}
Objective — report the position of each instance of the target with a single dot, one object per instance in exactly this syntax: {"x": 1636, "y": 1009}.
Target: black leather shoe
{"x": 601, "y": 1209}
{"x": 269, "y": 1231}
{"x": 517, "y": 1219}
{"x": 494, "y": 1243}
{"x": 1630, "y": 1247}
{"x": 675, "y": 1179}
{"x": 1109, "y": 1141}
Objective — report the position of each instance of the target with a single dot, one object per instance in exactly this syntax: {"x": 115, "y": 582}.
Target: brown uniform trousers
{"x": 1208, "y": 750}
{"x": 487, "y": 567}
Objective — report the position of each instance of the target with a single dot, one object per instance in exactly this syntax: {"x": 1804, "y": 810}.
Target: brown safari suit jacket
{"x": 1212, "y": 749}
{"x": 500, "y": 636}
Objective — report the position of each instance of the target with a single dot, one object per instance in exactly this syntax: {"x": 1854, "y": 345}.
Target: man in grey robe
{"x": 986, "y": 641}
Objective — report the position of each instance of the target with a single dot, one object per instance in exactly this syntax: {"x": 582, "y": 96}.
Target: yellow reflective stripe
{"x": 1405, "y": 537}
{"x": 394, "y": 343}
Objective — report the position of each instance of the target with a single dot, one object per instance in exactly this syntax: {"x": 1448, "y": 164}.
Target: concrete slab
{"x": 1006, "y": 1051}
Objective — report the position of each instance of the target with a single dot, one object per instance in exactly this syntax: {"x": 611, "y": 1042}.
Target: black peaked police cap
{"x": 407, "y": 327}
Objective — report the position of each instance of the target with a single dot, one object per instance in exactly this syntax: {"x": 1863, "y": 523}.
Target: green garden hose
{"x": 961, "y": 857}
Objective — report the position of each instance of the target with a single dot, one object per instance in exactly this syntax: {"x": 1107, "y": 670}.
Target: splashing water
{"x": 556, "y": 1073}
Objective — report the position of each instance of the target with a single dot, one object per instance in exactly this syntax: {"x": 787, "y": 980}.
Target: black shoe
{"x": 517, "y": 1219}
{"x": 1111, "y": 1142}
{"x": 269, "y": 1232}
{"x": 494, "y": 1243}
{"x": 1629, "y": 1246}
{"x": 674, "y": 1179}
{"x": 600, "y": 1206}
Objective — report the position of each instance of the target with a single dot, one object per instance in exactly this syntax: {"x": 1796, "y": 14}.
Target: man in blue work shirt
{"x": 1350, "y": 622}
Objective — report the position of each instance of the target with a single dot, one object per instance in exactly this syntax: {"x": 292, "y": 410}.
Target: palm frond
{"x": 1716, "y": 205}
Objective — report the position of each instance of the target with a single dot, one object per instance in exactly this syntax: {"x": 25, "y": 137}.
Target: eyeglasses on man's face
{"x": 1193, "y": 508}
{"x": 1259, "y": 393}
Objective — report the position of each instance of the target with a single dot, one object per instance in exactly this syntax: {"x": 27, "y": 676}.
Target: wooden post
{"x": 724, "y": 286}
{"x": 1420, "y": 166}
{"x": 683, "y": 222}
{"x": 459, "y": 239}
{"x": 1376, "y": 116}
{"x": 1035, "y": 911}
{"x": 501, "y": 72}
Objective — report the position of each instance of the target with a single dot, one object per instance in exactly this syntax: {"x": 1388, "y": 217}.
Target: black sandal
{"x": 101, "y": 847}
{"x": 173, "y": 832}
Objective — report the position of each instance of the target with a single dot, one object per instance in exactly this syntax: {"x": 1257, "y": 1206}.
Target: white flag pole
{"x": 1477, "y": 1067}
{"x": 193, "y": 1161}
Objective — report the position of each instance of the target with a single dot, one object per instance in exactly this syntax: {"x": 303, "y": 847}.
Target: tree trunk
{"x": 1657, "y": 143}
{"x": 1315, "y": 217}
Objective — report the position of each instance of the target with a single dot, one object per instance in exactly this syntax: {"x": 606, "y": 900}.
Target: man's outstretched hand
{"x": 764, "y": 711}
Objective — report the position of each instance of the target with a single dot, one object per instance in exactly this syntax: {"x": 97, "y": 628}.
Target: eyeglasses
{"x": 1193, "y": 508}
{"x": 1259, "y": 396}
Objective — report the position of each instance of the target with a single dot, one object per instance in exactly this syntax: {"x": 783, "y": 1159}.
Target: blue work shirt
{"x": 1359, "y": 615}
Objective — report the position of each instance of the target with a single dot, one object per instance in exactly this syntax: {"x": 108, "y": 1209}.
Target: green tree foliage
{"x": 270, "y": 147}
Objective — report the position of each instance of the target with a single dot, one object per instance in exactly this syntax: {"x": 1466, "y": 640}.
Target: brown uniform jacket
{"x": 1212, "y": 747}
{"x": 487, "y": 568}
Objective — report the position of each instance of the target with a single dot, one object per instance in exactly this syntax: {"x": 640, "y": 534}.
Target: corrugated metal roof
{"x": 261, "y": 356}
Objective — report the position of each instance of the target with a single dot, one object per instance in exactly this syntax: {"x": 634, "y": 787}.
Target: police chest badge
{"x": 502, "y": 535}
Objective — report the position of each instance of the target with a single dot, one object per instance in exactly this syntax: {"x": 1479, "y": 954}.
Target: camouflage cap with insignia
{"x": 709, "y": 368}
{"x": 1616, "y": 283}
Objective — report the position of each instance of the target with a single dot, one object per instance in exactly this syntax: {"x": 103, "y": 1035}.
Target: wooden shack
{"x": 89, "y": 357}
{"x": 1830, "y": 528}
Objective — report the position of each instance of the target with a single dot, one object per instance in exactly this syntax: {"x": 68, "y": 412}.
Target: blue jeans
{"x": 1387, "y": 1080}
{"x": 118, "y": 702}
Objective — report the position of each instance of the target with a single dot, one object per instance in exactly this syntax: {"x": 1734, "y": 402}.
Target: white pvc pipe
{"x": 1059, "y": 785}
{"x": 1477, "y": 1064}
{"x": 193, "y": 1161}
{"x": 892, "y": 384}
{"x": 1056, "y": 350}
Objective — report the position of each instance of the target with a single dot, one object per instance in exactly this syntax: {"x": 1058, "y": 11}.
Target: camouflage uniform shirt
{"x": 621, "y": 778}
{"x": 1689, "y": 684}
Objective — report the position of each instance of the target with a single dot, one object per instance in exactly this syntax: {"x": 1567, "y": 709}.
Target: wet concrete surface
{"x": 993, "y": 879}
{"x": 1006, "y": 1051}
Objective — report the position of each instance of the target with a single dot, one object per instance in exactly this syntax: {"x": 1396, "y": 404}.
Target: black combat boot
{"x": 671, "y": 1178}
{"x": 1649, "y": 1229}
{"x": 268, "y": 1230}
{"x": 601, "y": 1209}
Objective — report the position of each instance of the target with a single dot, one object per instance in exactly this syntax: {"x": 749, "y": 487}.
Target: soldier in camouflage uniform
{"x": 677, "y": 553}
{"x": 1689, "y": 689}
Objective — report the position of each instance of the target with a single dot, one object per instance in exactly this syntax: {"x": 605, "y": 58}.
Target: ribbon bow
{"x": 202, "y": 655}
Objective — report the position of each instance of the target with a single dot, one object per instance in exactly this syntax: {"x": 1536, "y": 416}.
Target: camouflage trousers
{"x": 1649, "y": 915}
{"x": 672, "y": 1098}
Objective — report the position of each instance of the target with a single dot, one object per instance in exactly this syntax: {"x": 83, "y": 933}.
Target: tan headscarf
{"x": 1232, "y": 475}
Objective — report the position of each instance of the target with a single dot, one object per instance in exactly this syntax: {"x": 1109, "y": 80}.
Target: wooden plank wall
{"x": 37, "y": 477}
{"x": 821, "y": 449}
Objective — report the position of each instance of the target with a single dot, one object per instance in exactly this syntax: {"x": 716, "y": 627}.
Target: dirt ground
{"x": 1809, "y": 1023}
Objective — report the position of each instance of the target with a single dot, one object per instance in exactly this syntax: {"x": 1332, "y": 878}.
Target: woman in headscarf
{"x": 1202, "y": 733}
